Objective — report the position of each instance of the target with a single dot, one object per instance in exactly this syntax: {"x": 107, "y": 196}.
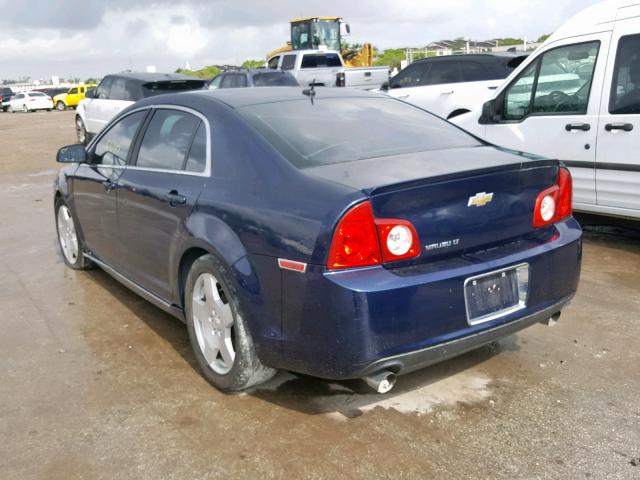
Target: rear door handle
{"x": 585, "y": 127}
{"x": 175, "y": 199}
{"x": 627, "y": 127}
{"x": 403, "y": 96}
{"x": 450, "y": 92}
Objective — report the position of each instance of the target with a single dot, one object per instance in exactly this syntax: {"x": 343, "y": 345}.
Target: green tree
{"x": 252, "y": 64}
{"x": 542, "y": 38}
{"x": 391, "y": 57}
{"x": 205, "y": 72}
{"x": 505, "y": 42}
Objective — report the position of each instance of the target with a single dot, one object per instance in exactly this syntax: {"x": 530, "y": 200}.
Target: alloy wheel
{"x": 213, "y": 323}
{"x": 67, "y": 235}
{"x": 81, "y": 132}
{"x": 25, "y": 109}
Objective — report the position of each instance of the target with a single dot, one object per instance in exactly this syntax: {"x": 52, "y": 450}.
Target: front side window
{"x": 475, "y": 72}
{"x": 274, "y": 79}
{"x": 115, "y": 145}
{"x": 557, "y": 82}
{"x": 227, "y": 81}
{"x": 73, "y": 91}
{"x": 625, "y": 90}
{"x": 273, "y": 62}
{"x": 288, "y": 62}
{"x": 104, "y": 88}
{"x": 411, "y": 76}
{"x": 167, "y": 140}
{"x": 241, "y": 80}
{"x": 215, "y": 83}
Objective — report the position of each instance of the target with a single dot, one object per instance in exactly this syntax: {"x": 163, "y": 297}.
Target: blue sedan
{"x": 335, "y": 233}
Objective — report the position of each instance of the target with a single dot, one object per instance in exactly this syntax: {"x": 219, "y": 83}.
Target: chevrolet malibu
{"x": 340, "y": 234}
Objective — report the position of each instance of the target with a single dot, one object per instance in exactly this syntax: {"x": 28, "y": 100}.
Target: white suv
{"x": 577, "y": 99}
{"x": 117, "y": 92}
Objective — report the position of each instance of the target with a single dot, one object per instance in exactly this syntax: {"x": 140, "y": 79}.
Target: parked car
{"x": 452, "y": 85}
{"x": 260, "y": 77}
{"x": 30, "y": 102}
{"x": 72, "y": 97}
{"x": 326, "y": 68}
{"x": 577, "y": 98}
{"x": 117, "y": 92}
{"x": 337, "y": 233}
{"x": 52, "y": 92}
{"x": 5, "y": 95}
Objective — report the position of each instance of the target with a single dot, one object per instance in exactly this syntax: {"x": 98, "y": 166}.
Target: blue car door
{"x": 95, "y": 188}
{"x": 157, "y": 193}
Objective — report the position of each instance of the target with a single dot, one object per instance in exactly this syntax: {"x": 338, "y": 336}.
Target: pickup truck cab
{"x": 451, "y": 85}
{"x": 326, "y": 68}
{"x": 577, "y": 99}
{"x": 72, "y": 98}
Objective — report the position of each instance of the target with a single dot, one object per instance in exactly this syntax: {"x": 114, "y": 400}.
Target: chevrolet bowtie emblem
{"x": 480, "y": 199}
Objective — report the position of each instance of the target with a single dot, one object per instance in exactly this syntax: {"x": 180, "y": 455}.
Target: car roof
{"x": 482, "y": 57}
{"x": 145, "y": 77}
{"x": 254, "y": 71}
{"x": 242, "y": 97}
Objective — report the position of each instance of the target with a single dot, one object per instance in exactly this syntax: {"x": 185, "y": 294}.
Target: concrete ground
{"x": 97, "y": 383}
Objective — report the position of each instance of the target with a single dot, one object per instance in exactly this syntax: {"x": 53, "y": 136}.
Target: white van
{"x": 577, "y": 99}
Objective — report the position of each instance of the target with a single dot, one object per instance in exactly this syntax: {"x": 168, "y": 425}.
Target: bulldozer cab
{"x": 315, "y": 33}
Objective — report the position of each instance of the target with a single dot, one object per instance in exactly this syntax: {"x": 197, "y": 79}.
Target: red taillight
{"x": 555, "y": 203}
{"x": 360, "y": 240}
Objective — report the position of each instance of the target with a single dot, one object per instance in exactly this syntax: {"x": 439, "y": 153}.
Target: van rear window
{"x": 158, "y": 88}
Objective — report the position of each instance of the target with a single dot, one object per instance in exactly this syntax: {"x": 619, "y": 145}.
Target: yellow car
{"x": 72, "y": 97}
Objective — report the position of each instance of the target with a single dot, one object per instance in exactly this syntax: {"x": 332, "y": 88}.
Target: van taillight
{"x": 555, "y": 203}
{"x": 360, "y": 240}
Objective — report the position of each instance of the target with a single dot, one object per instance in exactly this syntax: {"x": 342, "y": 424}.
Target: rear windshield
{"x": 274, "y": 79}
{"x": 321, "y": 60}
{"x": 157, "y": 88}
{"x": 338, "y": 130}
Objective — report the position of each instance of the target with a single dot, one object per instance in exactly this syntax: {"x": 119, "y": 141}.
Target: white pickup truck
{"x": 326, "y": 68}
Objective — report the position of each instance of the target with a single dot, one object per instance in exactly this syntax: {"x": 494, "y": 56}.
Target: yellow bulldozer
{"x": 315, "y": 33}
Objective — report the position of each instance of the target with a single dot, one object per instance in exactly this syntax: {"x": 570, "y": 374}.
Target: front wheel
{"x": 60, "y": 106}
{"x": 219, "y": 335}
{"x": 81, "y": 131}
{"x": 70, "y": 244}
{"x": 25, "y": 109}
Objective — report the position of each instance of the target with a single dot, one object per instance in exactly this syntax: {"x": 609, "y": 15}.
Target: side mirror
{"x": 90, "y": 93}
{"x": 489, "y": 113}
{"x": 72, "y": 154}
{"x": 385, "y": 87}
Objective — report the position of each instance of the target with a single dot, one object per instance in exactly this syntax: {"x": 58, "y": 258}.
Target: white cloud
{"x": 121, "y": 34}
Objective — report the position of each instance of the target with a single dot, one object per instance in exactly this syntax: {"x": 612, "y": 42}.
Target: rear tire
{"x": 219, "y": 335}
{"x": 10, "y": 109}
{"x": 60, "y": 106}
{"x": 81, "y": 132}
{"x": 71, "y": 246}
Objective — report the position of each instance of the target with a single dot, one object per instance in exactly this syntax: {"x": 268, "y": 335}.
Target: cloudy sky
{"x": 93, "y": 37}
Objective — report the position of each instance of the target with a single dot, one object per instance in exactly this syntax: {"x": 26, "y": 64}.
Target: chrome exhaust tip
{"x": 381, "y": 382}
{"x": 552, "y": 320}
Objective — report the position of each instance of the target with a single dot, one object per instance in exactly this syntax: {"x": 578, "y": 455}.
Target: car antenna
{"x": 311, "y": 91}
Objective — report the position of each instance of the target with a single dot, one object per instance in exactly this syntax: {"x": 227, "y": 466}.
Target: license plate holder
{"x": 496, "y": 294}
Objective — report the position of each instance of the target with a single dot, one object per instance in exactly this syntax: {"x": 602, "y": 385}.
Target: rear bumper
{"x": 411, "y": 361}
{"x": 346, "y": 324}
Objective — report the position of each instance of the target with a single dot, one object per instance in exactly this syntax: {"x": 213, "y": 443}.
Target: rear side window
{"x": 321, "y": 60}
{"x": 337, "y": 130}
{"x": 274, "y": 79}
{"x": 288, "y": 62}
{"x": 241, "y": 80}
{"x": 114, "y": 147}
{"x": 625, "y": 90}
{"x": 167, "y": 140}
{"x": 476, "y": 72}
{"x": 197, "y": 158}
{"x": 443, "y": 72}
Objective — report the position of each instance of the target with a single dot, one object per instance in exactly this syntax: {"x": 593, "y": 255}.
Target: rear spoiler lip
{"x": 521, "y": 165}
